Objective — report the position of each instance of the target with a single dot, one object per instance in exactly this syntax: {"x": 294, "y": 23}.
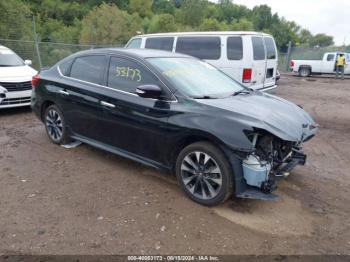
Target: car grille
{"x": 12, "y": 101}
{"x": 13, "y": 87}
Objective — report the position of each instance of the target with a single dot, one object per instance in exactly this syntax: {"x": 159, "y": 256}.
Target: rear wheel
{"x": 55, "y": 125}
{"x": 304, "y": 72}
{"x": 204, "y": 173}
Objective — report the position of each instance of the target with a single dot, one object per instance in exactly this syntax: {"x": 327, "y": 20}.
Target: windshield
{"x": 9, "y": 58}
{"x": 196, "y": 78}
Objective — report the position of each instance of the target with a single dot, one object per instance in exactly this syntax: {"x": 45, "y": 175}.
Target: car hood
{"x": 274, "y": 114}
{"x": 16, "y": 73}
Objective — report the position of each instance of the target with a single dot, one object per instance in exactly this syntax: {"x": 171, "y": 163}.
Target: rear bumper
{"x": 264, "y": 89}
{"x": 15, "y": 99}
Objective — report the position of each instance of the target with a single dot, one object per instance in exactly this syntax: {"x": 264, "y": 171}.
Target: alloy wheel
{"x": 201, "y": 175}
{"x": 54, "y": 125}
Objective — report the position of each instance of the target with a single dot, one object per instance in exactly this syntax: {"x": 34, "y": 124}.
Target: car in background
{"x": 177, "y": 113}
{"x": 306, "y": 68}
{"x": 15, "y": 79}
{"x": 248, "y": 57}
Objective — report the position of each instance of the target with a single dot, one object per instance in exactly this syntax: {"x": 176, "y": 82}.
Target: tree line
{"x": 115, "y": 21}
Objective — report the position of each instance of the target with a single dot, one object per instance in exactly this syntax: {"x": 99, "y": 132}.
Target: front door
{"x": 80, "y": 92}
{"x": 131, "y": 123}
{"x": 328, "y": 65}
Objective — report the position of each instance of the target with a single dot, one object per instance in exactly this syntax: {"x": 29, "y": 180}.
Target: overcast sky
{"x": 319, "y": 16}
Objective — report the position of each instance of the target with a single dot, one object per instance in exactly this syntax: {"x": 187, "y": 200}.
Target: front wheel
{"x": 55, "y": 125}
{"x": 204, "y": 173}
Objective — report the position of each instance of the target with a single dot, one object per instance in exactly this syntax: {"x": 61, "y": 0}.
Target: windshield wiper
{"x": 241, "y": 92}
{"x": 204, "y": 97}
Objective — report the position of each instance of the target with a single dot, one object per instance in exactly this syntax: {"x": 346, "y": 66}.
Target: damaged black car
{"x": 177, "y": 113}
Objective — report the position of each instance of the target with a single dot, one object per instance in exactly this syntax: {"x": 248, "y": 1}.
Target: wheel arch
{"x": 305, "y": 67}
{"x": 43, "y": 108}
{"x": 191, "y": 138}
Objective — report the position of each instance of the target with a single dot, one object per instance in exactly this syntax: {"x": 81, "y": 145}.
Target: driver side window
{"x": 127, "y": 75}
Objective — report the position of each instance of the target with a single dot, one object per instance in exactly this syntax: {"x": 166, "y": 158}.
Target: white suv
{"x": 15, "y": 79}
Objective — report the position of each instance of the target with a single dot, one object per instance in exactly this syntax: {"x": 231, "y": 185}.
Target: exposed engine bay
{"x": 272, "y": 158}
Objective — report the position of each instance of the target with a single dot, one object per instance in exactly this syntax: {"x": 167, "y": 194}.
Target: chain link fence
{"x": 46, "y": 54}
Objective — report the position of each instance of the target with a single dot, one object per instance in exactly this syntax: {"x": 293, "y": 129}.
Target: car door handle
{"x": 107, "y": 104}
{"x": 63, "y": 92}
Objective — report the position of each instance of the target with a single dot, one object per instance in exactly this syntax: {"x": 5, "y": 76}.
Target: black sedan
{"x": 177, "y": 113}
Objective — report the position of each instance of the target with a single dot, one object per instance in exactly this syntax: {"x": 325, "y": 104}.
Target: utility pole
{"x": 288, "y": 55}
{"x": 36, "y": 43}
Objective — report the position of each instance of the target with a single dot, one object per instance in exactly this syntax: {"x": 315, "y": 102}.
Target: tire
{"x": 55, "y": 125}
{"x": 194, "y": 179}
{"x": 304, "y": 72}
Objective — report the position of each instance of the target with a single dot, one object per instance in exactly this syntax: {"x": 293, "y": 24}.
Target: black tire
{"x": 304, "y": 72}
{"x": 55, "y": 125}
{"x": 218, "y": 159}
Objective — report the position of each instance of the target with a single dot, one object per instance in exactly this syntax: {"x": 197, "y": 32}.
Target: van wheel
{"x": 304, "y": 72}
{"x": 204, "y": 173}
{"x": 55, "y": 125}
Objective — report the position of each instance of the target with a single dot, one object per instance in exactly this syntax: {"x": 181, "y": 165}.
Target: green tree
{"x": 162, "y": 23}
{"x": 191, "y": 12}
{"x": 163, "y": 6}
{"x": 262, "y": 17}
{"x": 321, "y": 40}
{"x": 241, "y": 25}
{"x": 106, "y": 24}
{"x": 142, "y": 7}
{"x": 15, "y": 20}
{"x": 210, "y": 24}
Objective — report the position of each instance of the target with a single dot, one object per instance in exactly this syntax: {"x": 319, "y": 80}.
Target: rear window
{"x": 201, "y": 47}
{"x": 270, "y": 48}
{"x": 234, "y": 48}
{"x": 160, "y": 43}
{"x": 258, "y": 48}
{"x": 135, "y": 43}
{"x": 88, "y": 68}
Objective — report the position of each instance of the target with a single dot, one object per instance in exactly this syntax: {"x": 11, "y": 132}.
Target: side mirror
{"x": 28, "y": 62}
{"x": 149, "y": 91}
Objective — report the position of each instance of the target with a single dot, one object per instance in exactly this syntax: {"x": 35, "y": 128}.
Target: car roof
{"x": 4, "y": 47}
{"x": 205, "y": 33}
{"x": 139, "y": 53}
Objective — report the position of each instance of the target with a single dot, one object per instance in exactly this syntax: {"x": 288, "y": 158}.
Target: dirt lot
{"x": 84, "y": 201}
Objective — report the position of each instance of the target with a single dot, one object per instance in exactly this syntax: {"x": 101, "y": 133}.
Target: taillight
{"x": 247, "y": 75}
{"x": 35, "y": 80}
{"x": 291, "y": 64}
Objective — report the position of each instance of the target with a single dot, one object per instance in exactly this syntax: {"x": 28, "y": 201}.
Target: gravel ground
{"x": 84, "y": 201}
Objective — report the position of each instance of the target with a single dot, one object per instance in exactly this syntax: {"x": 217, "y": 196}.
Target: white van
{"x": 248, "y": 57}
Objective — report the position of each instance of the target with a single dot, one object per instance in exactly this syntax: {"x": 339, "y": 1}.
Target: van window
{"x": 258, "y": 48}
{"x": 161, "y": 43}
{"x": 135, "y": 43}
{"x": 270, "y": 48}
{"x": 201, "y": 47}
{"x": 88, "y": 68}
{"x": 330, "y": 57}
{"x": 234, "y": 48}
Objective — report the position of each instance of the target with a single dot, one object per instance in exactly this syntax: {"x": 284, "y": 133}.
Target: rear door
{"x": 80, "y": 92}
{"x": 271, "y": 62}
{"x": 258, "y": 63}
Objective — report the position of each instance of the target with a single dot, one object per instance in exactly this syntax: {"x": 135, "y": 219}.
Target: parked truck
{"x": 316, "y": 67}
